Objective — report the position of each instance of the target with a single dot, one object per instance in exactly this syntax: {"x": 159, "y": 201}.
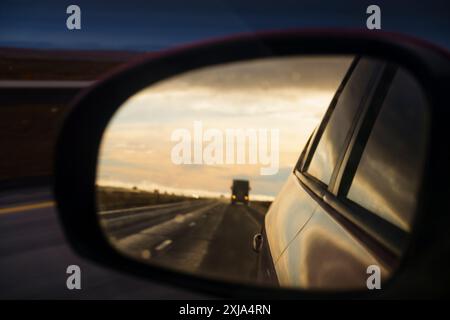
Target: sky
{"x": 285, "y": 94}
{"x": 155, "y": 25}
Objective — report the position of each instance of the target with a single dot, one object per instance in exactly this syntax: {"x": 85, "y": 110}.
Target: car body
{"x": 240, "y": 191}
{"x": 350, "y": 202}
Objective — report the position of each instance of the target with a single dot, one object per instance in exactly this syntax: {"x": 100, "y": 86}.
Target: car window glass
{"x": 387, "y": 178}
{"x": 333, "y": 138}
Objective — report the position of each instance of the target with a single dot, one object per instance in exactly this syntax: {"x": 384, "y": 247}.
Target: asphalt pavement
{"x": 208, "y": 237}
{"x": 34, "y": 256}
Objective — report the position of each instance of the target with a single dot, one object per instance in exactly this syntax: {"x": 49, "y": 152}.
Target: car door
{"x": 366, "y": 185}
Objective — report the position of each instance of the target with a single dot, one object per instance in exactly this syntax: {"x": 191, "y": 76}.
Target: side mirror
{"x": 145, "y": 158}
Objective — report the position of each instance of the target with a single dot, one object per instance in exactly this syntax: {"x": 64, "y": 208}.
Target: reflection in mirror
{"x": 220, "y": 172}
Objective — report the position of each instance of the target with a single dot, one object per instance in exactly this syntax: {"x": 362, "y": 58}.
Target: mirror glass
{"x": 297, "y": 171}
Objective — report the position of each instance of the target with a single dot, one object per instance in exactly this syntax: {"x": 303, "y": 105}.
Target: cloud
{"x": 290, "y": 95}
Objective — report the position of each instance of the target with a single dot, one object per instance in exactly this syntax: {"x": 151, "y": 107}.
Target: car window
{"x": 335, "y": 134}
{"x": 388, "y": 175}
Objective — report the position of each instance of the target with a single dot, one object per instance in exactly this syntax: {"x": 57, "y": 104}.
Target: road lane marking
{"x": 179, "y": 218}
{"x": 146, "y": 254}
{"x": 27, "y": 207}
{"x": 152, "y": 234}
{"x": 163, "y": 244}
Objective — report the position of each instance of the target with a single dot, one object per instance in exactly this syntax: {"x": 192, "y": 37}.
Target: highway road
{"x": 207, "y": 236}
{"x": 34, "y": 256}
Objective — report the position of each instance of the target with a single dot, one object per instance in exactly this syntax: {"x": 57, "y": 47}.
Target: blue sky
{"x": 155, "y": 25}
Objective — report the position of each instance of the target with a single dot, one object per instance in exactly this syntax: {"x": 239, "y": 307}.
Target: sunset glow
{"x": 289, "y": 95}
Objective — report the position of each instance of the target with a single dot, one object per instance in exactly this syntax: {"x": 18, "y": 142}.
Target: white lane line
{"x": 163, "y": 244}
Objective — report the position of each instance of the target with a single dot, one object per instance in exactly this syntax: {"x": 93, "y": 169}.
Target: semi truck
{"x": 239, "y": 192}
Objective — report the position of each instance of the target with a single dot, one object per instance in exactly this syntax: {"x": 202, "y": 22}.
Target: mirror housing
{"x": 80, "y": 138}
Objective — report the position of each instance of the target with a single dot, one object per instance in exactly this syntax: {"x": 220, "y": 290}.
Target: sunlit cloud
{"x": 273, "y": 94}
